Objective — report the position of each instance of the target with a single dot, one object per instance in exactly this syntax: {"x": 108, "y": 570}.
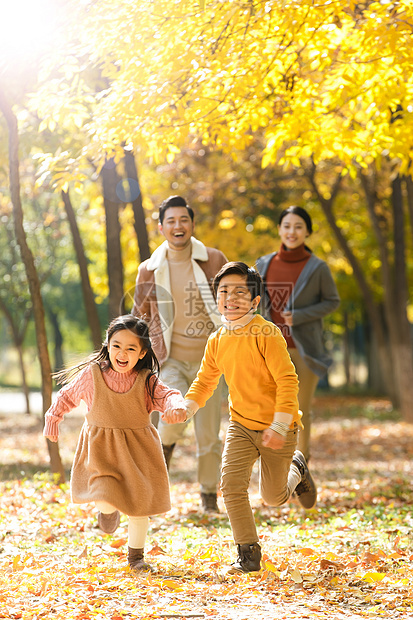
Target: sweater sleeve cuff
{"x": 191, "y": 408}
{"x": 283, "y": 418}
{"x": 51, "y": 427}
{"x": 175, "y": 401}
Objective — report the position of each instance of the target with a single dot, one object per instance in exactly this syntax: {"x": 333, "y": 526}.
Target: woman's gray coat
{"x": 314, "y": 295}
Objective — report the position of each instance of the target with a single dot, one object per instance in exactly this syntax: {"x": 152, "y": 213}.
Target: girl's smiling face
{"x": 125, "y": 350}
{"x": 234, "y": 297}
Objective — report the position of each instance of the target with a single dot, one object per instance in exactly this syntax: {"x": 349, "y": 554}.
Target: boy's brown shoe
{"x": 109, "y": 523}
{"x": 306, "y": 490}
{"x": 249, "y": 559}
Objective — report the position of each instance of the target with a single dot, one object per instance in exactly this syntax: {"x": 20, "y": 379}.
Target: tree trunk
{"x": 110, "y": 180}
{"x": 401, "y": 332}
{"x": 394, "y": 279}
{"x": 18, "y": 339}
{"x": 346, "y": 343}
{"x": 25, "y": 387}
{"x": 409, "y": 187}
{"x": 88, "y": 297}
{"x": 58, "y": 342}
{"x": 379, "y": 226}
{"x": 375, "y": 380}
{"x": 32, "y": 276}
{"x": 136, "y": 201}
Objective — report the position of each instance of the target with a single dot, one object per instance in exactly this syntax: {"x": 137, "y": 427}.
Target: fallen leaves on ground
{"x": 351, "y": 557}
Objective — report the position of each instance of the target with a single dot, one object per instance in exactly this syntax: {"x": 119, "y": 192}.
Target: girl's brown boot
{"x": 136, "y": 561}
{"x": 109, "y": 523}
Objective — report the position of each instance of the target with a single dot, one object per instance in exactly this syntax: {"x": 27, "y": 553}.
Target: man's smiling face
{"x": 177, "y": 227}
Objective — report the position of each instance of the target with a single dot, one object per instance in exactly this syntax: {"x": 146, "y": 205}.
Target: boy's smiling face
{"x": 234, "y": 298}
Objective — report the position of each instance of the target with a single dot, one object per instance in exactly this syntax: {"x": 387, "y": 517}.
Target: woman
{"x": 299, "y": 292}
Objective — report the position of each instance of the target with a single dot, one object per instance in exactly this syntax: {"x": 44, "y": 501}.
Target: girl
{"x": 300, "y": 291}
{"x": 118, "y": 462}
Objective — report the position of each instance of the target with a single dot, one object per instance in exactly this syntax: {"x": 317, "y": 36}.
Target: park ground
{"x": 351, "y": 557}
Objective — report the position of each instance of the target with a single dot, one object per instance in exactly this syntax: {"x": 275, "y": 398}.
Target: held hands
{"x": 271, "y": 439}
{"x": 172, "y": 416}
{"x": 53, "y": 438}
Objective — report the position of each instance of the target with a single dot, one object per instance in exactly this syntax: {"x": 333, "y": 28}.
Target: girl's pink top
{"x": 81, "y": 388}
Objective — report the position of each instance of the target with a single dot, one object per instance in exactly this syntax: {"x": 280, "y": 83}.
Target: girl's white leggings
{"x": 137, "y": 526}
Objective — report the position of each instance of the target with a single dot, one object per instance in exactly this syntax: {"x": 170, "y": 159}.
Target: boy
{"x": 252, "y": 355}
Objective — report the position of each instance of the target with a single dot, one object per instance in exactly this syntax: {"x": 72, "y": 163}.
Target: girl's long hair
{"x": 139, "y": 328}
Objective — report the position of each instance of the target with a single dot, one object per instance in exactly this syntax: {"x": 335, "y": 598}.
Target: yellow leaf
{"x": 268, "y": 158}
{"x": 306, "y": 551}
{"x": 208, "y": 553}
{"x": 372, "y": 577}
{"x": 16, "y": 561}
{"x": 270, "y": 566}
{"x": 172, "y": 585}
{"x": 296, "y": 576}
{"x": 401, "y": 582}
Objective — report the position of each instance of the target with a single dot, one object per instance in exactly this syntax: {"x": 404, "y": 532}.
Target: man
{"x": 173, "y": 292}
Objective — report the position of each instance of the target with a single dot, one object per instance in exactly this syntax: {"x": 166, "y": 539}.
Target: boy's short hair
{"x": 253, "y": 279}
{"x": 174, "y": 201}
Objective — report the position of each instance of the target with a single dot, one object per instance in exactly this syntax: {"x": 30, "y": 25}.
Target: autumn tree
{"x": 31, "y": 272}
{"x": 19, "y": 65}
{"x": 326, "y": 82}
{"x": 323, "y": 82}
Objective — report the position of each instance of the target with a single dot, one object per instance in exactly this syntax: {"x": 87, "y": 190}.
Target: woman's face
{"x": 293, "y": 231}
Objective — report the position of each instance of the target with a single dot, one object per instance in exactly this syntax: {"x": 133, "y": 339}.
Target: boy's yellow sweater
{"x": 260, "y": 375}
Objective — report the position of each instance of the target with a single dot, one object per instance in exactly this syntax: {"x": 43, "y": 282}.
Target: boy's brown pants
{"x": 278, "y": 477}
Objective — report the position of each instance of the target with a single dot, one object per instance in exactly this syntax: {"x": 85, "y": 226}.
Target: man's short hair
{"x": 174, "y": 201}
{"x": 254, "y": 281}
